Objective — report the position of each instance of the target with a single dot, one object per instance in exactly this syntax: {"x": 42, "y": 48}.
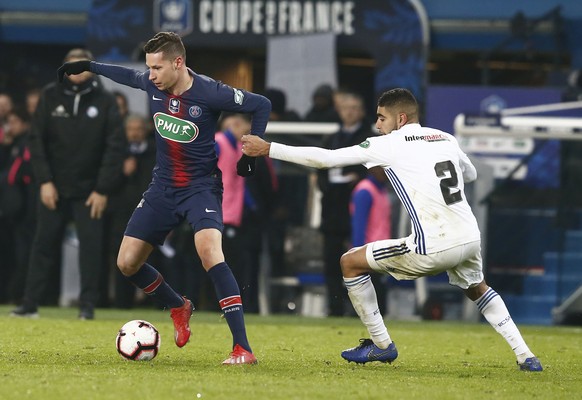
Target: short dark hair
{"x": 20, "y": 113}
{"x": 83, "y": 54}
{"x": 401, "y": 100}
{"x": 167, "y": 42}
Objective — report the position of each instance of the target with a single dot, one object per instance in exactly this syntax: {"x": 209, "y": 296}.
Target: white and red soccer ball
{"x": 138, "y": 340}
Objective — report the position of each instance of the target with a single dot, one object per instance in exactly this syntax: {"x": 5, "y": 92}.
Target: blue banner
{"x": 393, "y": 32}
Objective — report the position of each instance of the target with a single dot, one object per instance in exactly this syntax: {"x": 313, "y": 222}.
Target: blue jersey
{"x": 186, "y": 124}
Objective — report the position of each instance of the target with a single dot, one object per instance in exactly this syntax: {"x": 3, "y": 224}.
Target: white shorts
{"x": 462, "y": 263}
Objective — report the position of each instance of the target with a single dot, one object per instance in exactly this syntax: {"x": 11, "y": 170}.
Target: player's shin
{"x": 228, "y": 293}
{"x": 153, "y": 284}
{"x": 495, "y": 312}
{"x": 363, "y": 297}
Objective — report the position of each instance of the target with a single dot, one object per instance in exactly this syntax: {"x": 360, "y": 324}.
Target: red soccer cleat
{"x": 181, "y": 317}
{"x": 240, "y": 356}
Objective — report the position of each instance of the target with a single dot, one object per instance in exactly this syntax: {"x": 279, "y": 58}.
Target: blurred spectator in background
{"x": 5, "y": 139}
{"x": 279, "y": 111}
{"x": 293, "y": 195}
{"x": 371, "y": 212}
{"x": 122, "y": 103}
{"x": 32, "y": 98}
{"x": 336, "y": 185}
{"x": 76, "y": 146}
{"x": 5, "y": 107}
{"x": 339, "y": 96}
{"x": 323, "y": 108}
{"x": 6, "y": 247}
{"x": 573, "y": 91}
{"x": 17, "y": 204}
{"x": 262, "y": 199}
{"x": 140, "y": 159}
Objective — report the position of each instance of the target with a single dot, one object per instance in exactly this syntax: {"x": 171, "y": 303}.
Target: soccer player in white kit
{"x": 428, "y": 171}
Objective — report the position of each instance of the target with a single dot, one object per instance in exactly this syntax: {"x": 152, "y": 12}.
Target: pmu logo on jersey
{"x": 174, "y": 106}
{"x": 175, "y": 129}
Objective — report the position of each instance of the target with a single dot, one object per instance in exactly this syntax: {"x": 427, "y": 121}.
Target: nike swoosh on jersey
{"x": 155, "y": 98}
{"x": 209, "y": 211}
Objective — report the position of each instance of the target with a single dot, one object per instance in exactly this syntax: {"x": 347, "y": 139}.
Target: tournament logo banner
{"x": 393, "y": 32}
{"x": 173, "y": 16}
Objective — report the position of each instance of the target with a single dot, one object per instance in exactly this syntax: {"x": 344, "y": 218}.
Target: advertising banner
{"x": 483, "y": 105}
{"x": 393, "y": 32}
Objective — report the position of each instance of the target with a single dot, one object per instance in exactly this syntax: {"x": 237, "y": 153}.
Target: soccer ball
{"x": 138, "y": 340}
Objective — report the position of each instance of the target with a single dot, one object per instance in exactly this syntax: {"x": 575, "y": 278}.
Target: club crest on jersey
{"x": 195, "y": 111}
{"x": 238, "y": 96}
{"x": 365, "y": 144}
{"x": 175, "y": 129}
{"x": 174, "y": 106}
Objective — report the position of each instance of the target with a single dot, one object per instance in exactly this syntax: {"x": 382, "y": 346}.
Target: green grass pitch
{"x": 60, "y": 357}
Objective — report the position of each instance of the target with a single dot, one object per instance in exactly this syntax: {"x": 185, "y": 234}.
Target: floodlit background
{"x": 503, "y": 76}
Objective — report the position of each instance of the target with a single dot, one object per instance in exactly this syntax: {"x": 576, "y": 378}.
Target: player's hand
{"x": 254, "y": 146}
{"x": 97, "y": 202}
{"x": 246, "y": 165}
{"x": 49, "y": 196}
{"x": 73, "y": 68}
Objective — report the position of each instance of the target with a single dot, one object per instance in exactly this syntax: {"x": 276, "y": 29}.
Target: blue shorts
{"x": 163, "y": 208}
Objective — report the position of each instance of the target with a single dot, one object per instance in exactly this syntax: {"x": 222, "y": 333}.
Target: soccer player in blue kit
{"x": 186, "y": 182}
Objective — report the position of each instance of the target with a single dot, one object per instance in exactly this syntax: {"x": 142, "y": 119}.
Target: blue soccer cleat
{"x": 367, "y": 351}
{"x": 532, "y": 364}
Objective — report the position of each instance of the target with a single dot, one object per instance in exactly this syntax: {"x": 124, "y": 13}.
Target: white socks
{"x": 363, "y": 296}
{"x": 495, "y": 312}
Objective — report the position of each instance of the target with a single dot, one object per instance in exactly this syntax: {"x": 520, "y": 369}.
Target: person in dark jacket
{"x": 77, "y": 147}
{"x": 322, "y": 108}
{"x": 336, "y": 185}
{"x": 140, "y": 159}
{"x": 17, "y": 203}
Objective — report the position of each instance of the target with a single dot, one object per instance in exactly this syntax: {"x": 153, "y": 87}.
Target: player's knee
{"x": 348, "y": 264}
{"x": 126, "y": 264}
{"x": 476, "y": 291}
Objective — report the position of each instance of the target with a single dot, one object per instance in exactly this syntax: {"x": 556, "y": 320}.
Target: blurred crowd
{"x": 260, "y": 206}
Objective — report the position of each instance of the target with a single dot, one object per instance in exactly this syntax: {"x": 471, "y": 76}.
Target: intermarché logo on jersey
{"x": 175, "y": 129}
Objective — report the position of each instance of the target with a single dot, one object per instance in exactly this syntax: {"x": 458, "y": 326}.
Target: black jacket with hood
{"x": 77, "y": 139}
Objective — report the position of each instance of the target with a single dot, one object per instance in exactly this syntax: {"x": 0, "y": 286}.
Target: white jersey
{"x": 427, "y": 170}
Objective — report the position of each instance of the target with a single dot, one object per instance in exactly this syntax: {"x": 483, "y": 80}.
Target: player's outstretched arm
{"x": 73, "y": 68}
{"x": 309, "y": 156}
{"x": 120, "y": 74}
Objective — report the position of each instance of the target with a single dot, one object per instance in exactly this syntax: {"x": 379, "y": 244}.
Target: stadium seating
{"x": 562, "y": 275}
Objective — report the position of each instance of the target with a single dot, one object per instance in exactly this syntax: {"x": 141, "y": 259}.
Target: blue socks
{"x": 153, "y": 284}
{"x": 228, "y": 295}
